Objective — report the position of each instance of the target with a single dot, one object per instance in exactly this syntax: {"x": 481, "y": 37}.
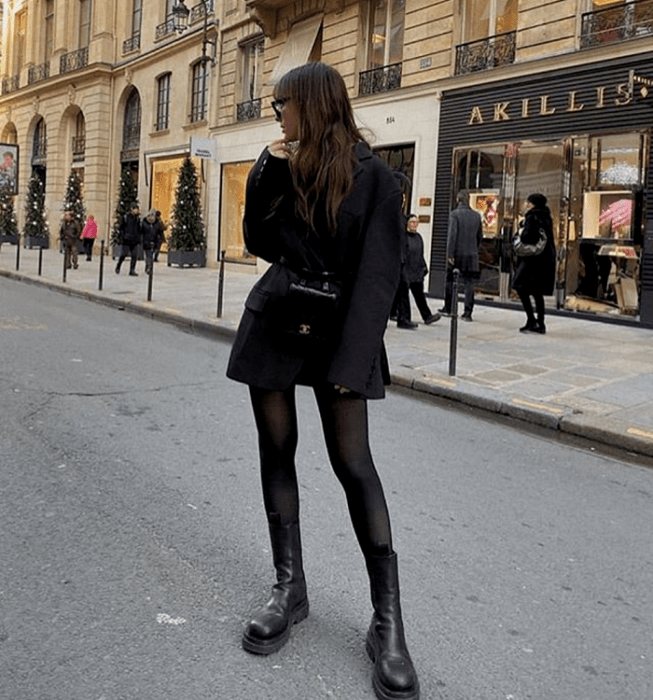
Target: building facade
{"x": 501, "y": 97}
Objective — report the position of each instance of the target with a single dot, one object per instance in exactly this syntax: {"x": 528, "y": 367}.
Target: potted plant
{"x": 36, "y": 231}
{"x": 128, "y": 193}
{"x": 187, "y": 239}
{"x": 8, "y": 224}
{"x": 74, "y": 203}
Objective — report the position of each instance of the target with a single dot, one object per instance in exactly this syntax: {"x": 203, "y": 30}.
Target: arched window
{"x": 131, "y": 133}
{"x": 40, "y": 143}
{"x": 79, "y": 139}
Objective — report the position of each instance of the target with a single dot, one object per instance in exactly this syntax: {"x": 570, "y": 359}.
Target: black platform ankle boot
{"x": 394, "y": 676}
{"x": 270, "y": 628}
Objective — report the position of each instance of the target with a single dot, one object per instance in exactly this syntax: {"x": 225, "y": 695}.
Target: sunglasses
{"x": 278, "y": 105}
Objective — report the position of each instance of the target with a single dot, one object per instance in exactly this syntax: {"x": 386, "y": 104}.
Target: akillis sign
{"x": 620, "y": 95}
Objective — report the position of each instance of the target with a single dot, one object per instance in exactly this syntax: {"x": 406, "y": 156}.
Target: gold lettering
{"x": 600, "y": 96}
{"x": 624, "y": 95}
{"x": 525, "y": 103}
{"x": 475, "y": 117}
{"x": 573, "y": 107}
{"x": 500, "y": 114}
{"x": 545, "y": 110}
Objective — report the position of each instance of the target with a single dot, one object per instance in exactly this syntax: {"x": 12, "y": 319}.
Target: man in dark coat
{"x": 69, "y": 233}
{"x": 152, "y": 233}
{"x": 463, "y": 241}
{"x": 130, "y": 237}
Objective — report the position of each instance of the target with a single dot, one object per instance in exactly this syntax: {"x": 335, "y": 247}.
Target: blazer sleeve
{"x": 267, "y": 206}
{"x": 372, "y": 293}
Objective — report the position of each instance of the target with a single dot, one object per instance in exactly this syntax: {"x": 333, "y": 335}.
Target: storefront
{"x": 580, "y": 136}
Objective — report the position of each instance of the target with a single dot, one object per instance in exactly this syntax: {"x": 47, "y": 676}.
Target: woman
{"x": 534, "y": 274}
{"x": 317, "y": 199}
{"x": 89, "y": 234}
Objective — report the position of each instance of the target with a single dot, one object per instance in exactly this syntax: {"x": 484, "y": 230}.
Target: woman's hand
{"x": 280, "y": 149}
{"x": 342, "y": 389}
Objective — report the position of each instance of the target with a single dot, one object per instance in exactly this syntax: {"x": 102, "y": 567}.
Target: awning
{"x": 298, "y": 47}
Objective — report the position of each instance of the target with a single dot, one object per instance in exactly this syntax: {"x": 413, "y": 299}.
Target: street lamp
{"x": 181, "y": 14}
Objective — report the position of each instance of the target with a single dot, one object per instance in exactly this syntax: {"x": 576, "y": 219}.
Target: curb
{"x": 605, "y": 431}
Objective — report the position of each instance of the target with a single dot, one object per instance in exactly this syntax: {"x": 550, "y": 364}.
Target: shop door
{"x": 540, "y": 167}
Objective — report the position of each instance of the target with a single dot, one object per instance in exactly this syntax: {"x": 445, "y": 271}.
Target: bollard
{"x": 18, "y": 252}
{"x": 150, "y": 277}
{"x": 65, "y": 260}
{"x": 40, "y": 260}
{"x": 221, "y": 283}
{"x": 101, "y": 273}
{"x": 453, "y": 339}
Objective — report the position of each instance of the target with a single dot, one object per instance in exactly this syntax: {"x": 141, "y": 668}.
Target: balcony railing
{"x": 617, "y": 23}
{"x": 132, "y": 44}
{"x": 379, "y": 79}
{"x": 73, "y": 60}
{"x": 248, "y": 110}
{"x": 165, "y": 28}
{"x": 79, "y": 147}
{"x": 198, "y": 11}
{"x": 38, "y": 73}
{"x": 10, "y": 84}
{"x": 492, "y": 52}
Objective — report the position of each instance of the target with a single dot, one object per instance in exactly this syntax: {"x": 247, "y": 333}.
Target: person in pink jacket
{"x": 89, "y": 234}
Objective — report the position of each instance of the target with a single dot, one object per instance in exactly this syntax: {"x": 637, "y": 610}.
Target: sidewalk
{"x": 593, "y": 380}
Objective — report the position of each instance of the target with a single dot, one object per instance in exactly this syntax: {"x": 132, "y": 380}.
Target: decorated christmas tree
{"x": 73, "y": 200}
{"x": 8, "y": 224}
{"x": 35, "y": 222}
{"x": 127, "y": 195}
{"x": 187, "y": 231}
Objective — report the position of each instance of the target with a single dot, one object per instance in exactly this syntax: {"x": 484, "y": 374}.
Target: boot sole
{"x": 382, "y": 691}
{"x": 264, "y": 647}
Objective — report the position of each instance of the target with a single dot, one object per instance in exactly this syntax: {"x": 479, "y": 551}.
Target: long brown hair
{"x": 324, "y": 162}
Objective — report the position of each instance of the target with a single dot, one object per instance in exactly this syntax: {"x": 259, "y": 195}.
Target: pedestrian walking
{"x": 535, "y": 274}
{"x": 69, "y": 234}
{"x": 464, "y": 237}
{"x": 327, "y": 214}
{"x": 89, "y": 234}
{"x": 413, "y": 272}
{"x": 164, "y": 228}
{"x": 152, "y": 236}
{"x": 130, "y": 238}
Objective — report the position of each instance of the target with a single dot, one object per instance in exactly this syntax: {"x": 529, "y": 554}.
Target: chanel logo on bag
{"x": 304, "y": 329}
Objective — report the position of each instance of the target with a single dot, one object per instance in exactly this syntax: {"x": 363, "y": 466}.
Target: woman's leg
{"x": 276, "y": 420}
{"x": 539, "y": 308}
{"x": 344, "y": 420}
{"x": 525, "y": 298}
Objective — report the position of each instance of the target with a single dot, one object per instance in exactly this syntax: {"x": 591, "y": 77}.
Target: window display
{"x": 608, "y": 214}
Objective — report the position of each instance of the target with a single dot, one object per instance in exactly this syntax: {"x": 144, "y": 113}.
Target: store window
{"x": 234, "y": 180}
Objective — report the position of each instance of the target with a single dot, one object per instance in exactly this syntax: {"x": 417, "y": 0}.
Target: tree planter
{"x": 187, "y": 257}
{"x": 37, "y": 242}
{"x": 9, "y": 238}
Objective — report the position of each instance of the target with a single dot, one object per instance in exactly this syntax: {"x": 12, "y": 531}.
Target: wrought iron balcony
{"x": 74, "y": 60}
{"x": 38, "y": 73}
{"x": 379, "y": 79}
{"x": 492, "y": 52}
{"x": 10, "y": 84}
{"x": 248, "y": 110}
{"x": 165, "y": 28}
{"x": 132, "y": 44}
{"x": 201, "y": 10}
{"x": 79, "y": 147}
{"x": 617, "y": 23}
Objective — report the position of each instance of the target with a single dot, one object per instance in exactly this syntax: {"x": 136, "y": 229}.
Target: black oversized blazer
{"x": 367, "y": 245}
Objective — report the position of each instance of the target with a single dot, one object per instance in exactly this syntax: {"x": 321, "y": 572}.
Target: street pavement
{"x": 588, "y": 379}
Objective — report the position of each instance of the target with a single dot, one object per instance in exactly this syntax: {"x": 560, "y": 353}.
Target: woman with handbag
{"x": 535, "y": 271}
{"x": 327, "y": 214}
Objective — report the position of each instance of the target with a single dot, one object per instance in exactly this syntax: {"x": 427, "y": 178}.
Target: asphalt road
{"x": 133, "y": 544}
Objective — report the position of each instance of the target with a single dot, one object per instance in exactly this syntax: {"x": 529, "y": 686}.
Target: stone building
{"x": 501, "y": 97}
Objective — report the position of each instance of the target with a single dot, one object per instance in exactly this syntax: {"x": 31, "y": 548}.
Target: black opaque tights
{"x": 344, "y": 422}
